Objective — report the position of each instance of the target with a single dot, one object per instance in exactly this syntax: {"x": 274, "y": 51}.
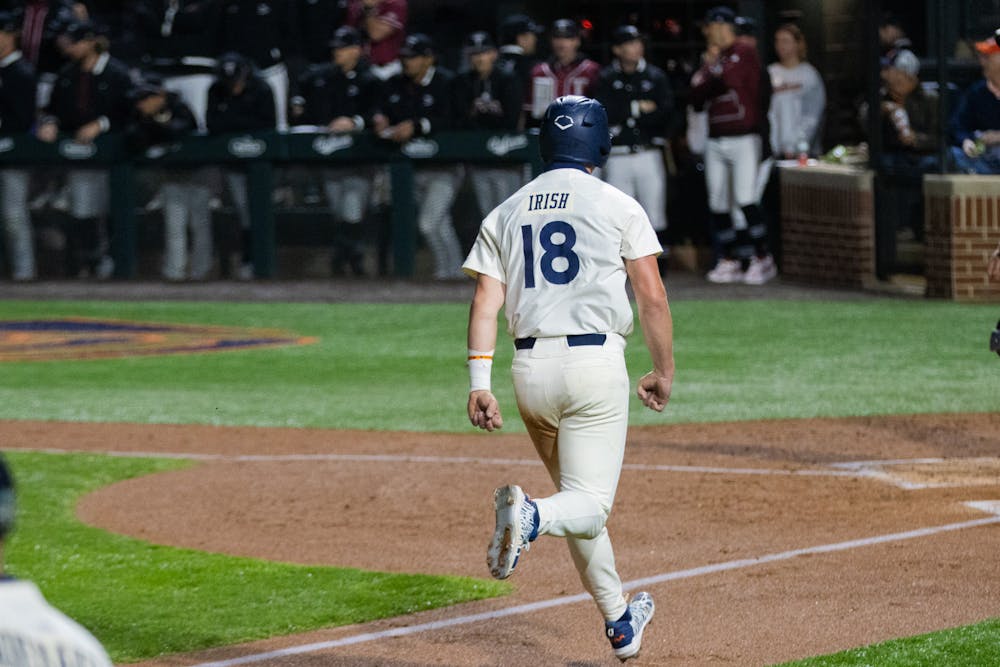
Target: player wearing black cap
{"x": 489, "y": 98}
{"x": 239, "y": 101}
{"x": 340, "y": 96}
{"x": 17, "y": 114}
{"x": 640, "y": 104}
{"x": 417, "y": 103}
{"x": 567, "y": 72}
{"x": 518, "y": 46}
{"x": 90, "y": 98}
{"x": 264, "y": 32}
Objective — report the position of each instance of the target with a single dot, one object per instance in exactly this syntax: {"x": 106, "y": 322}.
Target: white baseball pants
{"x": 347, "y": 193}
{"x": 17, "y": 222}
{"x": 435, "y": 189}
{"x": 643, "y": 177}
{"x": 731, "y": 165}
{"x": 493, "y": 185}
{"x": 574, "y": 403}
{"x": 193, "y": 91}
{"x": 185, "y": 206}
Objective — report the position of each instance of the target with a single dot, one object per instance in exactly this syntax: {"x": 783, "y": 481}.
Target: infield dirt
{"x": 690, "y": 496}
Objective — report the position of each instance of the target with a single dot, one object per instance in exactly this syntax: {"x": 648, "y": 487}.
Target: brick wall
{"x": 827, "y": 226}
{"x": 962, "y": 222}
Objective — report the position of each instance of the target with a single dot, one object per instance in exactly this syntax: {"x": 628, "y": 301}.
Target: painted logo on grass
{"x": 78, "y": 338}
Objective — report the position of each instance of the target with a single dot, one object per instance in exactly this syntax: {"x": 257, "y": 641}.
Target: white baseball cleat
{"x": 516, "y": 527}
{"x": 625, "y": 634}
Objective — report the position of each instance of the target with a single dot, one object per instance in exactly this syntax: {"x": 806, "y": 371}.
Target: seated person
{"x": 909, "y": 118}
{"x": 974, "y": 129}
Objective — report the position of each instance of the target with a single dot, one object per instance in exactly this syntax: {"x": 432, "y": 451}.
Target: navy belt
{"x": 575, "y": 340}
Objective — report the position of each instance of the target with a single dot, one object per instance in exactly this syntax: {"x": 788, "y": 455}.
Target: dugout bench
{"x": 258, "y": 154}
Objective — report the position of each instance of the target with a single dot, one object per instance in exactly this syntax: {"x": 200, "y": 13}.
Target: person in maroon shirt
{"x": 383, "y": 22}
{"x": 567, "y": 72}
{"x": 728, "y": 87}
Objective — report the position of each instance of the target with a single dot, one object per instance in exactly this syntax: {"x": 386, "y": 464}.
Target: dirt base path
{"x": 713, "y": 515}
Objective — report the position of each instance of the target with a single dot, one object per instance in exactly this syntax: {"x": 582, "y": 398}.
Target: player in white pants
{"x": 16, "y": 223}
{"x": 555, "y": 256}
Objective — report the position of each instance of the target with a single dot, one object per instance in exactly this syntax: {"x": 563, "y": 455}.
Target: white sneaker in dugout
{"x": 515, "y": 529}
{"x": 726, "y": 271}
{"x": 761, "y": 270}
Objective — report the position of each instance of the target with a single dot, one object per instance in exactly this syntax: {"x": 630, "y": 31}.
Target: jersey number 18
{"x": 552, "y": 250}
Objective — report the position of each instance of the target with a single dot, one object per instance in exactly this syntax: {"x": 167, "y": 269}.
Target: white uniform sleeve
{"x": 638, "y": 236}
{"x": 485, "y": 255}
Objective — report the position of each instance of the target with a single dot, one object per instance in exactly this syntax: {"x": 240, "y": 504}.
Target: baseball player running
{"x": 556, "y": 255}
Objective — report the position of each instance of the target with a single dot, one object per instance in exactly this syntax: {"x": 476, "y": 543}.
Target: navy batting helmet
{"x": 575, "y": 129}
{"x": 6, "y": 499}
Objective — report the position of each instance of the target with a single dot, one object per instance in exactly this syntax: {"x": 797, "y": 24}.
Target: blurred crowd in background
{"x": 158, "y": 71}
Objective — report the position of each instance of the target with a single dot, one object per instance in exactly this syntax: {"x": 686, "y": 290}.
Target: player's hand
{"x": 88, "y": 132}
{"x": 969, "y": 148}
{"x": 654, "y": 390}
{"x": 403, "y": 132}
{"x": 341, "y": 125}
{"x": 647, "y": 106}
{"x": 47, "y": 132}
{"x": 484, "y": 411}
{"x": 990, "y": 137}
{"x": 993, "y": 268}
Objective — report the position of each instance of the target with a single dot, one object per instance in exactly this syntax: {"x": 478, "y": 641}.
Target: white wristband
{"x": 480, "y": 368}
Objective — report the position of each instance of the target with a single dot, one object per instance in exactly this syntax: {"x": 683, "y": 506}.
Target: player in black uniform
{"x": 489, "y": 97}
{"x": 341, "y": 96}
{"x": 17, "y": 115}
{"x": 90, "y": 98}
{"x": 640, "y": 104}
{"x": 239, "y": 101}
{"x": 417, "y": 103}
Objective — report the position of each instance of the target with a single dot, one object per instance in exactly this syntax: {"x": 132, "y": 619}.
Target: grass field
{"x": 736, "y": 360}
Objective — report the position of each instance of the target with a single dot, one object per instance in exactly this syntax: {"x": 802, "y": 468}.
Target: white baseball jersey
{"x": 557, "y": 244}
{"x": 35, "y": 634}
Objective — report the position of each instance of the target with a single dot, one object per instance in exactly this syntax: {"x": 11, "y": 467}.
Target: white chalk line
{"x": 409, "y": 458}
{"x": 631, "y": 585}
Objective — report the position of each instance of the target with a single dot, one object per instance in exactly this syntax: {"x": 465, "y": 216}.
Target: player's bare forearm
{"x": 483, "y": 409}
{"x": 657, "y": 328}
{"x": 486, "y": 304}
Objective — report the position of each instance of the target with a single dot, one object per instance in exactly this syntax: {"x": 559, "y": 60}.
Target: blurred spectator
{"x": 239, "y": 101}
{"x": 567, "y": 72}
{"x": 728, "y": 86}
{"x": 909, "y": 117}
{"x": 416, "y": 104}
{"x": 640, "y": 104}
{"x": 178, "y": 38}
{"x": 993, "y": 266}
{"x": 264, "y": 32}
{"x": 42, "y": 23}
{"x": 341, "y": 96}
{"x": 160, "y": 118}
{"x": 43, "y": 635}
{"x": 518, "y": 49}
{"x": 90, "y": 98}
{"x": 798, "y": 98}
{"x": 383, "y": 23}
{"x": 17, "y": 115}
{"x": 489, "y": 98}
{"x": 892, "y": 38}
{"x": 975, "y": 126}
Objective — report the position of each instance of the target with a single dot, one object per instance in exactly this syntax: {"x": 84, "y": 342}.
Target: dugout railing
{"x": 259, "y": 154}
